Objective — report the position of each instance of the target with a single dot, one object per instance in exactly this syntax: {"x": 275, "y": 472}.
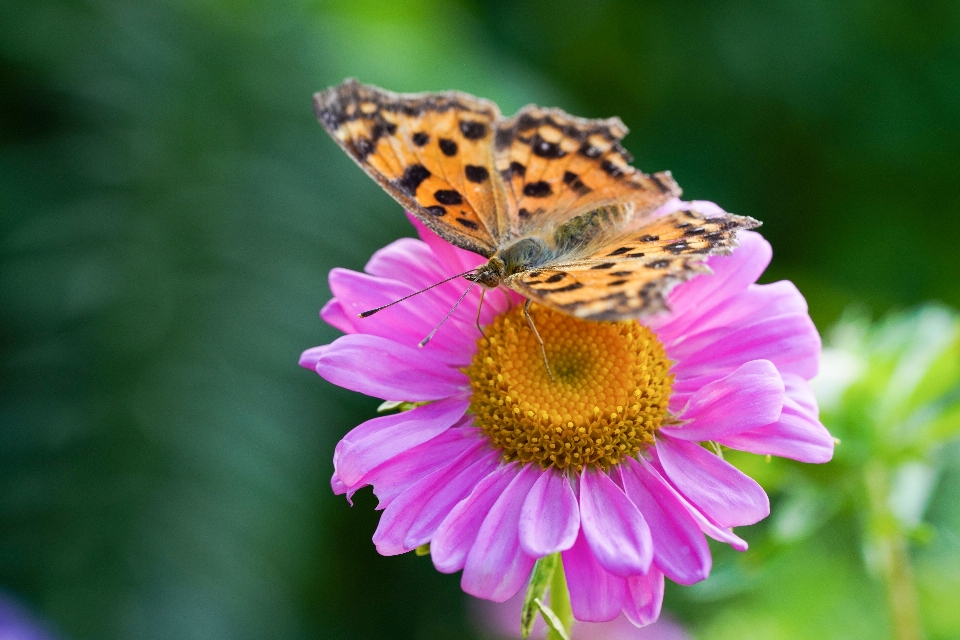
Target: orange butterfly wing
{"x": 557, "y": 166}
{"x": 433, "y": 152}
{"x": 630, "y": 276}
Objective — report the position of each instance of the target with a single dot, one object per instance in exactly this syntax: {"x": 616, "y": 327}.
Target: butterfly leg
{"x": 479, "y": 307}
{"x": 543, "y": 348}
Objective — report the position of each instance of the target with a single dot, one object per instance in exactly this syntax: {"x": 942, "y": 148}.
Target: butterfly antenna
{"x": 367, "y": 314}
{"x": 424, "y": 342}
{"x": 479, "y": 307}
{"x": 543, "y": 348}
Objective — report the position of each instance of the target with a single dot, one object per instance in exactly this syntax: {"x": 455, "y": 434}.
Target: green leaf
{"x": 539, "y": 581}
{"x": 389, "y": 405}
{"x": 551, "y": 619}
{"x": 941, "y": 377}
{"x": 398, "y": 405}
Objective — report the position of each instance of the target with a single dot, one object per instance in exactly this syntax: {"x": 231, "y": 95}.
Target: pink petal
{"x": 550, "y": 518}
{"x": 755, "y": 302}
{"x": 334, "y": 315}
{"x": 644, "y": 598}
{"x": 714, "y": 486}
{"x": 497, "y": 566}
{"x": 618, "y": 534}
{"x": 750, "y": 397}
{"x": 679, "y": 548}
{"x": 384, "y": 369}
{"x": 693, "y": 300}
{"x": 414, "y": 263}
{"x": 799, "y": 391}
{"x": 408, "y": 322}
{"x": 337, "y": 485}
{"x": 410, "y": 261}
{"x": 398, "y": 474}
{"x": 411, "y": 519}
{"x": 376, "y": 441}
{"x": 797, "y": 434}
{"x": 706, "y": 525}
{"x": 595, "y": 595}
{"x": 451, "y": 492}
{"x": 310, "y": 357}
{"x": 458, "y": 531}
{"x": 791, "y": 342}
{"x": 453, "y": 258}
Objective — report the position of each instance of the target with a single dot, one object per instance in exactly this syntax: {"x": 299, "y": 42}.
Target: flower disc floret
{"x": 608, "y": 395}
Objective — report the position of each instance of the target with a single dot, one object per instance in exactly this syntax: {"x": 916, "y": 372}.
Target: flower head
{"x": 502, "y": 462}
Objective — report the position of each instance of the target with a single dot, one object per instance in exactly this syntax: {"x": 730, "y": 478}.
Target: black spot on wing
{"x": 574, "y": 182}
{"x": 383, "y": 128}
{"x": 620, "y": 274}
{"x": 590, "y": 151}
{"x": 362, "y": 147}
{"x": 612, "y": 170}
{"x": 557, "y": 277}
{"x": 658, "y": 264}
{"x": 469, "y": 224}
{"x": 539, "y": 189}
{"x": 603, "y": 265}
{"x": 570, "y": 287}
{"x": 420, "y": 138}
{"x": 663, "y": 188}
{"x": 649, "y": 238}
{"x": 476, "y": 173}
{"x": 448, "y": 196}
{"x": 678, "y": 247}
{"x": 523, "y": 213}
{"x": 472, "y": 130}
{"x": 436, "y": 210}
{"x": 516, "y": 169}
{"x": 544, "y": 149}
{"x": 620, "y": 251}
{"x": 448, "y": 147}
{"x": 412, "y": 177}
{"x": 616, "y": 283}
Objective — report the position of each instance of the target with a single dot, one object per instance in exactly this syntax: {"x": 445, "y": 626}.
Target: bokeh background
{"x": 169, "y": 210}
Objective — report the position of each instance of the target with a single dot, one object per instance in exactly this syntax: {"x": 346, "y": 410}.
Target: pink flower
{"x": 499, "y": 465}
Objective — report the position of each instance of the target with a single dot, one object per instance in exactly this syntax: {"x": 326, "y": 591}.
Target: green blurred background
{"x": 169, "y": 210}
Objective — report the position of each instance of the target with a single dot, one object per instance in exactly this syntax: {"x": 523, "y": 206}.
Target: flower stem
{"x": 893, "y": 555}
{"x": 560, "y": 601}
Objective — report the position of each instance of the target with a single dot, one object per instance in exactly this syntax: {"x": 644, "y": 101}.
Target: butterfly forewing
{"x": 556, "y": 166}
{"x": 432, "y": 152}
{"x": 630, "y": 276}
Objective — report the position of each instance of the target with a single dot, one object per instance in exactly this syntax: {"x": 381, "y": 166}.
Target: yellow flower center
{"x": 609, "y": 393}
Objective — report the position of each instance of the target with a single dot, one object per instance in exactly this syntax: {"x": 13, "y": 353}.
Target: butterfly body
{"x": 550, "y": 199}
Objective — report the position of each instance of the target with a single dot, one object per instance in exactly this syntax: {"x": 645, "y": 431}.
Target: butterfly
{"x": 550, "y": 199}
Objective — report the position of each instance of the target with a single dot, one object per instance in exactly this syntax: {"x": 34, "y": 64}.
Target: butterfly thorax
{"x": 511, "y": 260}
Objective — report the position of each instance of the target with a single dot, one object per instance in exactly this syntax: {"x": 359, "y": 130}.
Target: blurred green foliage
{"x": 169, "y": 210}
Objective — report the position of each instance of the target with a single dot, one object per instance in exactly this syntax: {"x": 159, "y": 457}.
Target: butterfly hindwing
{"x": 630, "y": 276}
{"x": 556, "y": 166}
{"x": 433, "y": 152}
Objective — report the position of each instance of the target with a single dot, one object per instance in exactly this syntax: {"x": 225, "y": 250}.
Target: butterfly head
{"x": 489, "y": 275}
{"x": 511, "y": 260}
